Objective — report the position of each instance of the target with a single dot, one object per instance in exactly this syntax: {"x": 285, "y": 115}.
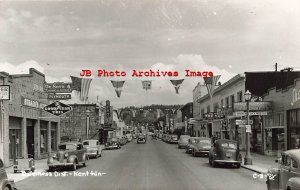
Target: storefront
{"x": 293, "y": 128}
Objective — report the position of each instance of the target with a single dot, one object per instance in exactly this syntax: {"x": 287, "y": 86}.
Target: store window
{"x": 15, "y": 143}
{"x": 43, "y": 138}
{"x": 293, "y": 129}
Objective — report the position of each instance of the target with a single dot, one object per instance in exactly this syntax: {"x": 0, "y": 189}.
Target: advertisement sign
{"x": 53, "y": 96}
{"x": 58, "y": 87}
{"x": 57, "y": 108}
{"x": 32, "y": 103}
{"x": 213, "y": 115}
{"x": 4, "y": 92}
{"x": 243, "y": 122}
{"x": 253, "y": 106}
{"x": 242, "y": 113}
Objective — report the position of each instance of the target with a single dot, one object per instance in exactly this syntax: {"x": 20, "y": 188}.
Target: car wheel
{"x": 193, "y": 153}
{"x": 238, "y": 165}
{"x": 6, "y": 188}
{"x": 15, "y": 171}
{"x": 74, "y": 166}
{"x": 209, "y": 161}
{"x": 51, "y": 169}
{"x": 32, "y": 170}
{"x": 214, "y": 164}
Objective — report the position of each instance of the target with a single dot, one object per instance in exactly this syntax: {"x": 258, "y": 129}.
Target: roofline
{"x": 31, "y": 71}
{"x": 226, "y": 84}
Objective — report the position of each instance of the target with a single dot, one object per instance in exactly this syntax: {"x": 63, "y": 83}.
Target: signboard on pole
{"x": 53, "y": 96}
{"x": 243, "y": 122}
{"x": 4, "y": 92}
{"x": 57, "y": 108}
{"x": 58, "y": 87}
{"x": 242, "y": 113}
{"x": 248, "y": 128}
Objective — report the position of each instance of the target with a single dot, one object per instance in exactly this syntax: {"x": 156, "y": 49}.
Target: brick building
{"x": 25, "y": 127}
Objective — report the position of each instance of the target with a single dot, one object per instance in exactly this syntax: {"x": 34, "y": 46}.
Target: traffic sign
{"x": 243, "y": 122}
{"x": 58, "y": 87}
{"x": 57, "y": 108}
{"x": 59, "y": 96}
{"x": 4, "y": 92}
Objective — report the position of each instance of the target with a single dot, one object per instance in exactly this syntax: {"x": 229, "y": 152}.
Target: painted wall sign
{"x": 295, "y": 96}
{"x": 32, "y": 103}
{"x": 4, "y": 92}
{"x": 58, "y": 87}
{"x": 253, "y": 106}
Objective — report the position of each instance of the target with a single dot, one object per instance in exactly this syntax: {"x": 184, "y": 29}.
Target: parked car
{"x": 225, "y": 152}
{"x": 93, "y": 148}
{"x": 123, "y": 141}
{"x": 129, "y": 137}
{"x": 202, "y": 146}
{"x": 113, "y": 144}
{"x": 69, "y": 154}
{"x": 183, "y": 141}
{"x": 189, "y": 146}
{"x": 5, "y": 183}
{"x": 141, "y": 139}
{"x": 173, "y": 139}
{"x": 287, "y": 174}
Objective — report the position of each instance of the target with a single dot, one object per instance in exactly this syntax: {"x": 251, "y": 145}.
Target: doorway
{"x": 30, "y": 138}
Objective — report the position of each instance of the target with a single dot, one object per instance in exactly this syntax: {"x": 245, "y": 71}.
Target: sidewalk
{"x": 260, "y": 163}
{"x": 40, "y": 166}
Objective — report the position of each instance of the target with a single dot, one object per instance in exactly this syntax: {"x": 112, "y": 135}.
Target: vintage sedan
{"x": 69, "y": 154}
{"x": 141, "y": 139}
{"x": 5, "y": 184}
{"x": 287, "y": 175}
{"x": 183, "y": 141}
{"x": 93, "y": 148}
{"x": 190, "y": 145}
{"x": 225, "y": 152}
{"x": 202, "y": 146}
{"x": 114, "y": 143}
{"x": 173, "y": 139}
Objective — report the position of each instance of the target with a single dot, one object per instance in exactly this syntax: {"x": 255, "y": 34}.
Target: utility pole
{"x": 276, "y": 66}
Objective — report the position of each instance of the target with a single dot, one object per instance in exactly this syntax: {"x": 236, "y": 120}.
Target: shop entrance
{"x": 30, "y": 138}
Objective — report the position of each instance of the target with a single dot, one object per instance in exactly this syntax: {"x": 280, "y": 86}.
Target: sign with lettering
{"x": 32, "y": 103}
{"x": 213, "y": 115}
{"x": 58, "y": 87}
{"x": 243, "y": 122}
{"x": 4, "y": 92}
{"x": 59, "y": 96}
{"x": 242, "y": 113}
{"x": 57, "y": 108}
{"x": 253, "y": 106}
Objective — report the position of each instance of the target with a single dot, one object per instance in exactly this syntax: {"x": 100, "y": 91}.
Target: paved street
{"x": 155, "y": 165}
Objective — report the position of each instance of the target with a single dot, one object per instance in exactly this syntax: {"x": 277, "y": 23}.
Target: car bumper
{"x": 60, "y": 164}
{"x": 91, "y": 154}
{"x": 112, "y": 147}
{"x": 203, "y": 152}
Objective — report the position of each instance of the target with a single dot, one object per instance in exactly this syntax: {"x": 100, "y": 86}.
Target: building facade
{"x": 27, "y": 130}
{"x": 282, "y": 128}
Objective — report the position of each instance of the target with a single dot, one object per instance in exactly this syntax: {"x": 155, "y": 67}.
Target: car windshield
{"x": 92, "y": 143}
{"x": 67, "y": 147}
{"x": 229, "y": 145}
{"x": 204, "y": 141}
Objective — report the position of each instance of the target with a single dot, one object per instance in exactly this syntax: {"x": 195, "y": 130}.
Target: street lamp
{"x": 87, "y": 123}
{"x": 248, "y": 158}
{"x": 185, "y": 125}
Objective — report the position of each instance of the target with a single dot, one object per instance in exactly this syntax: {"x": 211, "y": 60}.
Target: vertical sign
{"x": 4, "y": 92}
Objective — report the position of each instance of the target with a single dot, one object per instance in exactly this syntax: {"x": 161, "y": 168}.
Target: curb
{"x": 252, "y": 169}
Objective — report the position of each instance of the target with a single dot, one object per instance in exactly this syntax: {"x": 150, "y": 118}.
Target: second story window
{"x": 239, "y": 96}
{"x": 232, "y": 100}
{"x": 208, "y": 109}
{"x": 227, "y": 102}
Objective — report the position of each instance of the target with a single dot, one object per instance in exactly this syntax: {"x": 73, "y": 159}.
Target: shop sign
{"x": 57, "y": 108}
{"x": 59, "y": 96}
{"x": 253, "y": 106}
{"x": 4, "y": 92}
{"x": 58, "y": 87}
{"x": 243, "y": 122}
{"x": 32, "y": 103}
{"x": 213, "y": 115}
{"x": 295, "y": 96}
{"x": 248, "y": 128}
{"x": 242, "y": 113}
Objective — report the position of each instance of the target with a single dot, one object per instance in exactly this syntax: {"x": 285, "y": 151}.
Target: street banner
{"x": 177, "y": 84}
{"x": 81, "y": 85}
{"x": 147, "y": 84}
{"x": 210, "y": 83}
{"x": 118, "y": 86}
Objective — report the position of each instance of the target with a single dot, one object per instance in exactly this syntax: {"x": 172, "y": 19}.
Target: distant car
{"x": 183, "y": 141}
{"x": 173, "y": 139}
{"x": 287, "y": 175}
{"x": 128, "y": 137}
{"x": 141, "y": 139}
{"x": 69, "y": 154}
{"x": 202, "y": 146}
{"x": 113, "y": 144}
{"x": 189, "y": 146}
{"x": 225, "y": 152}
{"x": 5, "y": 184}
{"x": 93, "y": 148}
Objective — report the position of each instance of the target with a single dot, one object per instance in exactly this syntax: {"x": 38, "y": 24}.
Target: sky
{"x": 60, "y": 38}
